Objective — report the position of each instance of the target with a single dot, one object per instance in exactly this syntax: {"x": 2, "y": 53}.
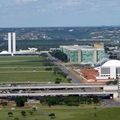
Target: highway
{"x": 71, "y": 74}
{"x": 54, "y": 94}
{"x": 48, "y": 86}
{"x": 32, "y": 90}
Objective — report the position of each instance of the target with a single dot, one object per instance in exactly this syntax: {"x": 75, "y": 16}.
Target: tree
{"x": 20, "y": 101}
{"x": 95, "y": 100}
{"x": 60, "y": 55}
{"x": 10, "y": 114}
{"x": 72, "y": 100}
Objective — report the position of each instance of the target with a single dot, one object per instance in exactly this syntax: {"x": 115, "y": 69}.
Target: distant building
{"x": 12, "y": 43}
{"x": 115, "y": 55}
{"x": 109, "y": 70}
{"x": 84, "y": 54}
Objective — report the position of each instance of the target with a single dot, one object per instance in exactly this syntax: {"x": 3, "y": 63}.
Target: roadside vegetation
{"x": 72, "y": 100}
{"x": 60, "y": 55}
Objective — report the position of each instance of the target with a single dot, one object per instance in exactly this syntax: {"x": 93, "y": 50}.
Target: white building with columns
{"x": 109, "y": 70}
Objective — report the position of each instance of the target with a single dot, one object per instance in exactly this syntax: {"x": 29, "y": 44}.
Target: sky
{"x": 53, "y": 13}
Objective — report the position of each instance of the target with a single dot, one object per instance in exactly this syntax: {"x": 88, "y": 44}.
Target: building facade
{"x": 83, "y": 54}
{"x": 12, "y": 43}
{"x": 109, "y": 70}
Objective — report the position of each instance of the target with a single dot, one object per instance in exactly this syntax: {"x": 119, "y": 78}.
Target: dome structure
{"x": 109, "y": 70}
{"x": 112, "y": 63}
{"x": 4, "y": 52}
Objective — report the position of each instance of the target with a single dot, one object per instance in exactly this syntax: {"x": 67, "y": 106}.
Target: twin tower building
{"x": 12, "y": 43}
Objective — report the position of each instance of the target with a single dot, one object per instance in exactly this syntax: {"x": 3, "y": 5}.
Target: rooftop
{"x": 115, "y": 63}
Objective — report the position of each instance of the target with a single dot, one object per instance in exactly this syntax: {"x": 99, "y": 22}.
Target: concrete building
{"x": 109, "y": 70}
{"x": 12, "y": 43}
{"x": 84, "y": 54}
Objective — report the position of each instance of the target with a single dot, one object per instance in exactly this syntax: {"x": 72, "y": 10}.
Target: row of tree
{"x": 59, "y": 71}
{"x": 63, "y": 75}
{"x": 60, "y": 55}
{"x": 72, "y": 100}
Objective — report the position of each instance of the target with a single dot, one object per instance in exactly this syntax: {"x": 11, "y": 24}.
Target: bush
{"x": 16, "y": 118}
{"x": 31, "y": 112}
{"x": 48, "y": 69}
{"x": 23, "y": 113}
{"x": 52, "y": 116}
{"x": 10, "y": 114}
{"x": 4, "y": 103}
{"x": 58, "y": 80}
{"x": 69, "y": 80}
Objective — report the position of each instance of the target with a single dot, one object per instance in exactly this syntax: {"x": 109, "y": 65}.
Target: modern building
{"x": 109, "y": 70}
{"x": 12, "y": 43}
{"x": 84, "y": 54}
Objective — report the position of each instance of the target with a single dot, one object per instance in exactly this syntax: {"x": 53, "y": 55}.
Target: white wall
{"x": 110, "y": 87}
{"x": 113, "y": 72}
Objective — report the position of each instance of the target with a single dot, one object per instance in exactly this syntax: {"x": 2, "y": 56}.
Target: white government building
{"x": 109, "y": 70}
{"x": 12, "y": 47}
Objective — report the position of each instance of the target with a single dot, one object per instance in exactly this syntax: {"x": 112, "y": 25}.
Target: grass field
{"x": 21, "y": 61}
{"x": 64, "y": 113}
{"x": 24, "y": 69}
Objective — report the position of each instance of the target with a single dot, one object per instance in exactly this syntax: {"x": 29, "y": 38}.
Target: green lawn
{"x": 28, "y": 76}
{"x": 25, "y": 68}
{"x": 65, "y": 113}
{"x": 21, "y": 61}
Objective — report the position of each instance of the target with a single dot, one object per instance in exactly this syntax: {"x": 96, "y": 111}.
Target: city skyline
{"x": 53, "y": 13}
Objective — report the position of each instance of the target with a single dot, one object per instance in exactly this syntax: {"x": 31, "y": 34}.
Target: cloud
{"x": 83, "y": 5}
{"x": 24, "y": 1}
{"x": 60, "y": 6}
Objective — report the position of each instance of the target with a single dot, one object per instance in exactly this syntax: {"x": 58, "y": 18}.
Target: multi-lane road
{"x": 71, "y": 74}
{"x": 32, "y": 90}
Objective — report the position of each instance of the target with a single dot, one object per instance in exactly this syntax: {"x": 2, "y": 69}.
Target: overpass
{"x": 36, "y": 90}
{"x": 59, "y": 93}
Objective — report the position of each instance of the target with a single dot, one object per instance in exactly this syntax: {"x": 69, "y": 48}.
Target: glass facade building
{"x": 83, "y": 54}
{"x": 87, "y": 56}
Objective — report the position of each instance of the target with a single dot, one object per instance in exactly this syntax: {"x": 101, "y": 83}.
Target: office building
{"x": 12, "y": 43}
{"x": 84, "y": 54}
